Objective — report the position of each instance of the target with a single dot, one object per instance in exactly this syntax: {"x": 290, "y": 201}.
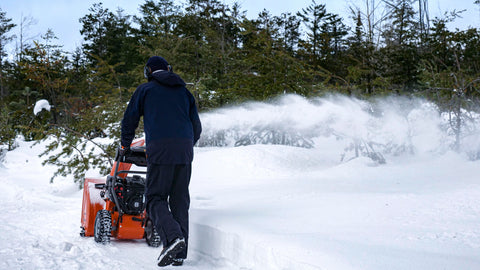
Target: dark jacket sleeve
{"x": 197, "y": 125}
{"x": 132, "y": 116}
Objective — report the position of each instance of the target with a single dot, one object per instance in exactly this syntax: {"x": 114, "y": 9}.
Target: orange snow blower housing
{"x": 115, "y": 206}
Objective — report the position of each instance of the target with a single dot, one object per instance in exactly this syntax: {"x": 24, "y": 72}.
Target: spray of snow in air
{"x": 385, "y": 126}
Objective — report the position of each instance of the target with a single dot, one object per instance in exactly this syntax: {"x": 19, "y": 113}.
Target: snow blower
{"x": 115, "y": 206}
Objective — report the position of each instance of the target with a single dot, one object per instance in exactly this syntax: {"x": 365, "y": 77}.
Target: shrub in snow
{"x": 258, "y": 135}
{"x": 362, "y": 148}
{"x": 275, "y": 136}
{"x": 220, "y": 138}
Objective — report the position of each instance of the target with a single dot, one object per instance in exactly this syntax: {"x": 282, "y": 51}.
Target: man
{"x": 172, "y": 127}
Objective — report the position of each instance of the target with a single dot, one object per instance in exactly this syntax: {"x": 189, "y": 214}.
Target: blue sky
{"x": 62, "y": 15}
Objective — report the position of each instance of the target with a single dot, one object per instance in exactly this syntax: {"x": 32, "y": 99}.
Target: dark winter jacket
{"x": 170, "y": 116}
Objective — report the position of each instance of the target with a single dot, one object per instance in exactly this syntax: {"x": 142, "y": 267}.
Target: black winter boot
{"x": 169, "y": 252}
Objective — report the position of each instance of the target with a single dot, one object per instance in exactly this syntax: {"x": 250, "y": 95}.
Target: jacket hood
{"x": 168, "y": 78}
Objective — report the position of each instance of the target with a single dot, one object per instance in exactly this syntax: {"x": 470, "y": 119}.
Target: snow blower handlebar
{"x": 134, "y": 155}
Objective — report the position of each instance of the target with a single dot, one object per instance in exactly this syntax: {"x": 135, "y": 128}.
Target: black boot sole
{"x": 172, "y": 253}
{"x": 177, "y": 263}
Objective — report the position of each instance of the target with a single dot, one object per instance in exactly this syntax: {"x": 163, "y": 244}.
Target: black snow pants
{"x": 168, "y": 201}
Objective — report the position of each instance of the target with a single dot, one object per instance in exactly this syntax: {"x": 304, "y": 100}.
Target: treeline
{"x": 228, "y": 58}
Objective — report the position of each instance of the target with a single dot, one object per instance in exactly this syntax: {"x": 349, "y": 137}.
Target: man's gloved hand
{"x": 123, "y": 150}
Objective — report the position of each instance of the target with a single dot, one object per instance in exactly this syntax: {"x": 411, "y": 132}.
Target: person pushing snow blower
{"x": 172, "y": 127}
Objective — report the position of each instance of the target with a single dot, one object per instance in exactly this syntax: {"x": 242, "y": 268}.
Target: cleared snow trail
{"x": 40, "y": 224}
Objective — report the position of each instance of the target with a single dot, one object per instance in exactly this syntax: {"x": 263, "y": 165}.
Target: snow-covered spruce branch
{"x": 275, "y": 136}
{"x": 105, "y": 152}
{"x": 72, "y": 142}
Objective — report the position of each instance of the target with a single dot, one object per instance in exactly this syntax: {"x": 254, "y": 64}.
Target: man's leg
{"x": 158, "y": 186}
{"x": 180, "y": 201}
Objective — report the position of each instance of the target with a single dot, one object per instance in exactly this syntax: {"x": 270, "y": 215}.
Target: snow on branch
{"x": 41, "y": 105}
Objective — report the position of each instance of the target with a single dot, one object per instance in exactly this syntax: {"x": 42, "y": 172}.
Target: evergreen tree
{"x": 109, "y": 37}
{"x": 7, "y": 132}
{"x": 325, "y": 43}
{"x": 158, "y": 18}
{"x": 313, "y": 17}
{"x": 289, "y": 31}
{"x": 358, "y": 68}
{"x": 5, "y": 27}
{"x": 333, "y": 45}
{"x": 266, "y": 68}
{"x": 401, "y": 39}
{"x": 80, "y": 85}
{"x": 451, "y": 74}
{"x": 155, "y": 34}
{"x": 44, "y": 69}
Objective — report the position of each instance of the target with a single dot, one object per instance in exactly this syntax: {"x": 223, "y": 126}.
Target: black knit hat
{"x": 157, "y": 63}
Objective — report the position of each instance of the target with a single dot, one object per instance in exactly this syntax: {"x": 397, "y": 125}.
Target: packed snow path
{"x": 39, "y": 228}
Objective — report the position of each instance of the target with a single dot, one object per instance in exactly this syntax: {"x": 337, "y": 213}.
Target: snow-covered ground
{"x": 277, "y": 206}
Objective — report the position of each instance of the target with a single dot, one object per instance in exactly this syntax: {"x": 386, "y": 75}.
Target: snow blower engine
{"x": 115, "y": 207}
